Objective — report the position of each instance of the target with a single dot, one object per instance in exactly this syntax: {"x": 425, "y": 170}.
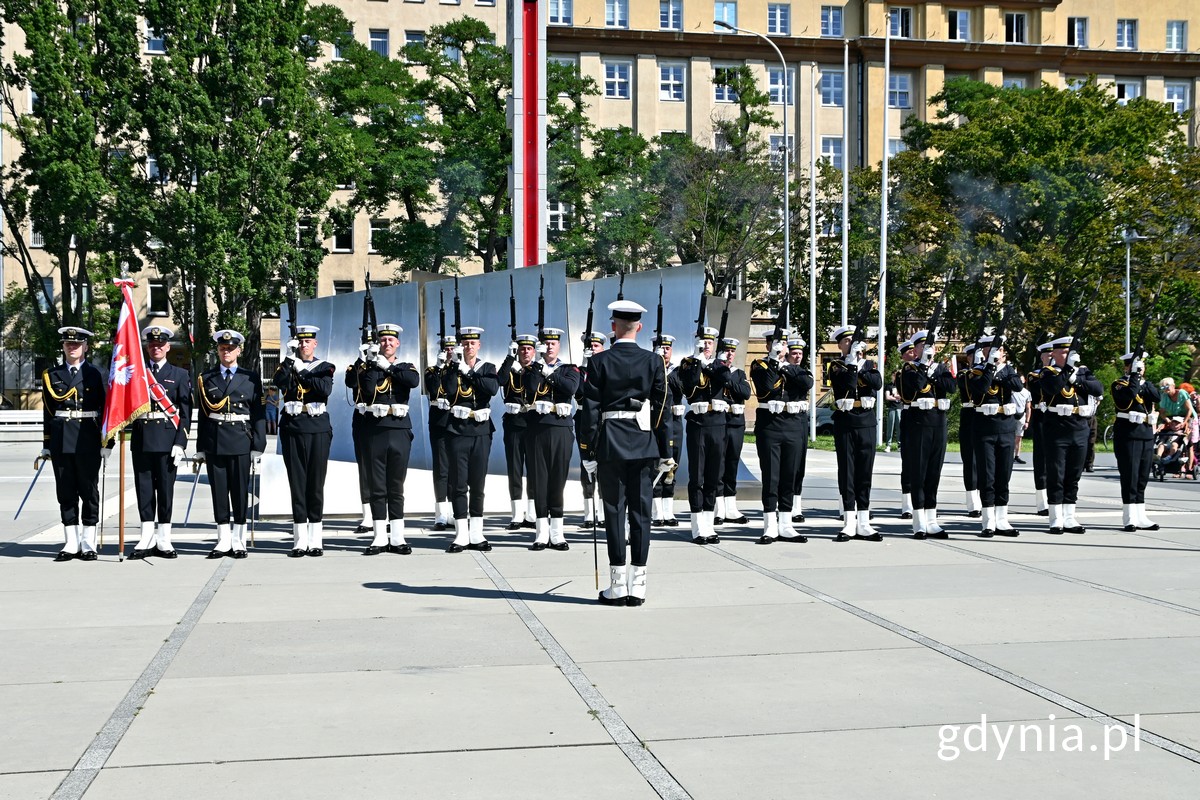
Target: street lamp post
{"x": 1128, "y": 236}
{"x": 787, "y": 158}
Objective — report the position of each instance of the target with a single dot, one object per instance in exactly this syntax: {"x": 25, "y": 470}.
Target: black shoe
{"x": 1130, "y": 528}
{"x": 240, "y": 554}
{"x": 841, "y": 537}
{"x": 714, "y": 539}
{"x": 986, "y": 534}
{"x": 1018, "y": 460}
{"x": 905, "y": 515}
{"x": 538, "y": 546}
{"x": 219, "y": 553}
{"x": 920, "y": 535}
{"x": 400, "y": 549}
{"x": 158, "y": 551}
{"x": 363, "y": 529}
{"x": 797, "y": 518}
{"x": 65, "y": 556}
{"x": 440, "y": 526}
{"x": 604, "y": 601}
{"x": 513, "y": 526}
{"x": 88, "y": 556}
{"x": 1055, "y": 531}
{"x": 560, "y": 547}
{"x": 483, "y": 547}
{"x": 874, "y": 537}
{"x": 138, "y": 555}
{"x": 374, "y": 550}
{"x": 764, "y": 539}
{"x": 974, "y": 514}
{"x": 634, "y": 601}
{"x": 1045, "y": 512}
{"x": 658, "y": 523}
{"x": 671, "y": 523}
{"x": 941, "y": 535}
{"x": 700, "y": 540}
{"x": 737, "y": 520}
{"x": 1153, "y": 526}
{"x": 718, "y": 520}
{"x": 1075, "y": 529}
{"x": 297, "y": 552}
{"x": 797, "y": 539}
{"x": 454, "y": 548}
{"x": 1013, "y": 532}
{"x": 315, "y": 552}
{"x": 528, "y": 524}
{"x": 1089, "y": 468}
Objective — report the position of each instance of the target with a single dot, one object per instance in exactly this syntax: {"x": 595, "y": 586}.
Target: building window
{"x": 1128, "y": 90}
{"x": 775, "y": 85}
{"x": 616, "y": 79}
{"x": 960, "y": 25}
{"x": 343, "y": 287}
{"x": 670, "y": 15}
{"x": 1077, "y": 32}
{"x": 1015, "y": 31}
{"x": 343, "y": 239}
{"x": 896, "y": 146}
{"x": 670, "y": 82}
{"x": 339, "y": 54}
{"x": 901, "y": 23}
{"x": 558, "y": 216}
{"x": 1127, "y": 34}
{"x": 900, "y": 91}
{"x": 831, "y": 21}
{"x": 158, "y": 299}
{"x": 559, "y": 12}
{"x": 833, "y": 84}
{"x": 722, "y": 92}
{"x": 779, "y": 19}
{"x": 831, "y": 150}
{"x": 414, "y": 37}
{"x": 616, "y": 13}
{"x": 305, "y": 233}
{"x": 155, "y": 42}
{"x": 1175, "y": 94}
{"x": 1176, "y": 35}
{"x": 35, "y": 237}
{"x": 378, "y": 226}
{"x": 152, "y": 172}
{"x": 380, "y": 42}
{"x": 778, "y": 151}
{"x": 720, "y": 142}
{"x": 724, "y": 11}
{"x": 46, "y": 295}
{"x": 452, "y": 54}
{"x": 1014, "y": 83}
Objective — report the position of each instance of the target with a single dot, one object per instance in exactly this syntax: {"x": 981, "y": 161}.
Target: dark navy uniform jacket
{"x": 244, "y": 397}
{"x": 62, "y": 392}
{"x": 622, "y": 378}
{"x": 160, "y": 435}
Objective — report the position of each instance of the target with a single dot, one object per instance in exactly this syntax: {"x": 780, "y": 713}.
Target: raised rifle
{"x": 1010, "y": 308}
{"x": 621, "y": 286}
{"x": 701, "y": 315}
{"x": 725, "y": 313}
{"x": 541, "y": 314}
{"x": 512, "y": 310}
{"x": 935, "y": 319}
{"x": 1081, "y": 320}
{"x": 587, "y": 328}
{"x": 1141, "y": 340}
{"x": 457, "y": 313}
{"x": 781, "y": 318}
{"x": 441, "y": 319}
{"x": 368, "y": 315}
{"x": 658, "y": 331}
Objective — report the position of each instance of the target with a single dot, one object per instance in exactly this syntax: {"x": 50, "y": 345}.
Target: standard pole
{"x": 1128, "y": 247}
{"x": 883, "y": 233}
{"x": 845, "y": 182}
{"x": 812, "y": 249}
{"x": 121, "y": 502}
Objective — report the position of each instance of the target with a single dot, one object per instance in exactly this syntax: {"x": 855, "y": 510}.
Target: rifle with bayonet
{"x": 1138, "y": 348}
{"x": 658, "y": 331}
{"x": 935, "y": 320}
{"x": 369, "y": 322}
{"x": 512, "y": 310}
{"x": 541, "y": 306}
{"x": 1081, "y": 323}
{"x": 1010, "y": 308}
{"x": 457, "y": 320}
{"x": 701, "y": 316}
{"x": 587, "y": 328}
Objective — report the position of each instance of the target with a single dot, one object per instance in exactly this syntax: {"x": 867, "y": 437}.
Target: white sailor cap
{"x": 970, "y": 348}
{"x": 920, "y": 337}
{"x": 709, "y": 333}
{"x": 990, "y": 341}
{"x": 229, "y": 337}
{"x": 1062, "y": 342}
{"x": 595, "y": 336}
{"x": 472, "y": 334}
{"x": 842, "y": 331}
{"x": 307, "y": 331}
{"x": 730, "y": 343}
{"x": 73, "y": 333}
{"x": 796, "y": 343}
{"x": 526, "y": 339}
{"x": 1045, "y": 347}
{"x": 157, "y": 333}
{"x": 1129, "y": 356}
{"x": 905, "y": 346}
{"x": 387, "y": 329}
{"x": 626, "y": 310}
{"x": 449, "y": 340}
{"x": 552, "y": 334}
{"x": 664, "y": 340}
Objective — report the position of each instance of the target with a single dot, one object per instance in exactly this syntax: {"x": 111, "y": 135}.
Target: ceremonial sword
{"x": 38, "y": 464}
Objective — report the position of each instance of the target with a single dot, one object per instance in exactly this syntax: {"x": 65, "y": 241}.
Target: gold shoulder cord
{"x": 662, "y": 408}
{"x": 459, "y": 391}
{"x": 73, "y": 392}
{"x": 208, "y": 404}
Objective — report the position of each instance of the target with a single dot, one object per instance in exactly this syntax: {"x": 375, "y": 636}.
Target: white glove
{"x": 994, "y": 357}
{"x": 590, "y": 468}
{"x": 293, "y": 345}
{"x": 380, "y": 409}
{"x": 1072, "y": 377}
{"x": 441, "y": 358}
{"x": 105, "y": 454}
{"x": 666, "y": 464}
{"x": 463, "y": 368}
{"x": 852, "y": 359}
{"x": 442, "y": 404}
{"x": 512, "y": 408}
{"x": 199, "y": 459}
{"x": 369, "y": 351}
{"x": 1137, "y": 366}
{"x": 678, "y": 410}
{"x": 546, "y": 368}
{"x": 45, "y": 453}
{"x": 512, "y": 349}
{"x": 927, "y": 356}
{"x": 458, "y": 353}
{"x": 541, "y": 349}
{"x": 460, "y": 412}
{"x": 661, "y": 352}
{"x": 1072, "y": 359}
{"x": 587, "y": 354}
{"x": 177, "y": 454}
{"x": 699, "y": 349}
{"x": 778, "y": 352}
{"x": 255, "y": 457}
{"x": 383, "y": 363}
{"x": 515, "y": 366}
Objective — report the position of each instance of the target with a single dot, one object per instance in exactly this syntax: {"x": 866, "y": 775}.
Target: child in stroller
{"x": 1171, "y": 450}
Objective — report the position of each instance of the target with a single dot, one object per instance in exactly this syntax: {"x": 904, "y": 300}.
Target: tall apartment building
{"x": 654, "y": 62}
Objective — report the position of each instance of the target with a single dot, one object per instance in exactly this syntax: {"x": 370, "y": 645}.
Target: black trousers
{"x": 1066, "y": 452}
{"x": 735, "y": 438}
{"x": 625, "y": 488}
{"x": 516, "y": 459}
{"x": 666, "y": 487}
{"x": 922, "y": 453}
{"x": 778, "y": 452}
{"x": 77, "y": 485}
{"x": 1039, "y": 451}
{"x": 706, "y": 462}
{"x": 856, "y": 465}
{"x": 801, "y": 460}
{"x": 306, "y": 456}
{"x": 154, "y": 481}
{"x": 388, "y": 451}
{"x": 548, "y": 457}
{"x": 993, "y": 465}
{"x": 440, "y": 453}
{"x": 1134, "y": 457}
{"x": 468, "y": 460}
{"x": 361, "y": 461}
{"x": 966, "y": 447}
{"x": 228, "y": 477}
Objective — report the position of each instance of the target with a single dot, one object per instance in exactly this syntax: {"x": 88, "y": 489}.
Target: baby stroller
{"x": 1170, "y": 451}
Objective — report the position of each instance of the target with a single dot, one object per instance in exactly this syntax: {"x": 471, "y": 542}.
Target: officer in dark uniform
{"x": 906, "y": 498}
{"x": 468, "y": 384}
{"x": 626, "y": 399}
{"x": 795, "y": 357}
{"x": 232, "y": 437}
{"x": 854, "y": 381}
{"x": 357, "y": 432}
{"x": 439, "y": 420}
{"x": 550, "y": 386}
{"x": 593, "y": 343}
{"x": 1133, "y": 440}
{"x": 703, "y": 377}
{"x": 966, "y": 434}
{"x": 991, "y": 385}
{"x": 305, "y": 434}
{"x": 735, "y": 394}
{"x": 72, "y": 404}
{"x": 158, "y": 442}
{"x": 1037, "y": 417}
{"x": 664, "y": 490}
{"x": 1072, "y": 395}
{"x": 925, "y": 392}
{"x": 517, "y": 412}
{"x": 780, "y": 431}
{"x": 385, "y": 383}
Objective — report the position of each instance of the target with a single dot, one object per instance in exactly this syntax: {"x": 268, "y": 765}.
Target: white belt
{"x": 77, "y": 414}
{"x": 1068, "y": 411}
{"x": 678, "y": 410}
{"x": 156, "y": 415}
{"x": 543, "y": 407}
{"x": 229, "y": 417}
{"x": 923, "y": 404}
{"x": 737, "y": 409}
{"x": 1136, "y": 417}
{"x": 968, "y": 405}
{"x": 720, "y": 406}
{"x": 943, "y": 403}
{"x": 1041, "y": 407}
{"x": 619, "y": 415}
